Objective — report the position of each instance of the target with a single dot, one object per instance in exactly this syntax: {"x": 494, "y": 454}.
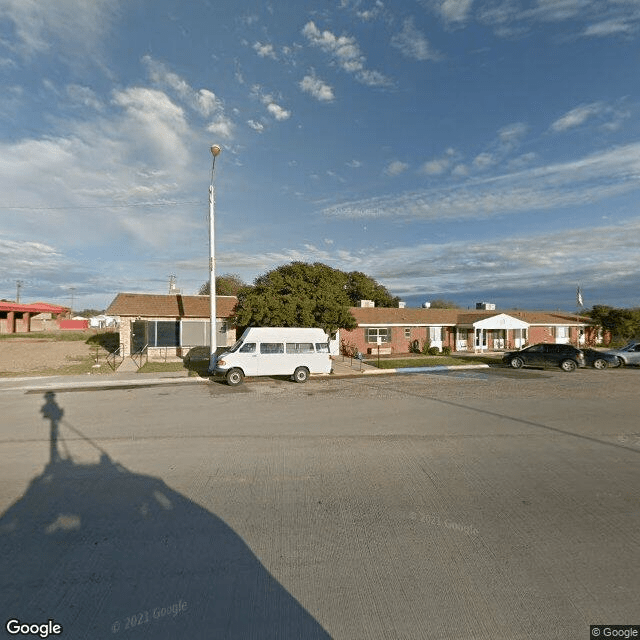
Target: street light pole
{"x": 215, "y": 152}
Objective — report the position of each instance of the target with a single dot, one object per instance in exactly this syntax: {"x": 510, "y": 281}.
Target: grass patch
{"x": 161, "y": 367}
{"x": 430, "y": 361}
{"x": 50, "y": 336}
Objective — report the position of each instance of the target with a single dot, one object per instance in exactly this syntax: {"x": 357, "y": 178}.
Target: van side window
{"x": 322, "y": 347}
{"x": 299, "y": 347}
{"x": 271, "y": 347}
{"x": 248, "y": 347}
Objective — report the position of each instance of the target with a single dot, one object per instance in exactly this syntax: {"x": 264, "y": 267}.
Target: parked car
{"x": 565, "y": 356}
{"x": 630, "y": 354}
{"x": 600, "y": 359}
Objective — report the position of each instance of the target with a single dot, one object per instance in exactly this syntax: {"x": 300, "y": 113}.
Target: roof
{"x": 36, "y": 307}
{"x": 173, "y": 305}
{"x": 443, "y": 317}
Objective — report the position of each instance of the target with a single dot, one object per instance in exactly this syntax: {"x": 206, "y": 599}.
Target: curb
{"x": 440, "y": 367}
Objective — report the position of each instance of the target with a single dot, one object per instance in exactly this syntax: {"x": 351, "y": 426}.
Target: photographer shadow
{"x": 109, "y": 553}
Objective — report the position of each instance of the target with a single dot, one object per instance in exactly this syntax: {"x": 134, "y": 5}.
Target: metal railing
{"x": 115, "y": 358}
{"x": 140, "y": 355}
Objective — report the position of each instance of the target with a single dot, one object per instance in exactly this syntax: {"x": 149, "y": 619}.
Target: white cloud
{"x": 453, "y": 11}
{"x": 84, "y": 96}
{"x": 396, "y": 167}
{"x": 275, "y": 110}
{"x": 265, "y": 50}
{"x": 76, "y": 27}
{"x": 483, "y": 161}
{"x": 413, "y": 44}
{"x": 345, "y": 50}
{"x": 577, "y": 116}
{"x": 588, "y": 18}
{"x": 256, "y": 126}
{"x": 608, "y": 116}
{"x": 222, "y": 126}
{"x": 204, "y": 102}
{"x": 590, "y": 179}
{"x": 611, "y": 27}
{"x": 438, "y": 166}
{"x": 162, "y": 122}
{"x": 278, "y": 112}
{"x": 317, "y": 88}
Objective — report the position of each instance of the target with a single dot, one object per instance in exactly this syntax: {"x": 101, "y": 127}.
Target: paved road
{"x": 492, "y": 505}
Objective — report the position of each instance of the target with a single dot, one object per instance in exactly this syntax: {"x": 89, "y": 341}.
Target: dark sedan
{"x": 565, "y": 356}
{"x": 600, "y": 359}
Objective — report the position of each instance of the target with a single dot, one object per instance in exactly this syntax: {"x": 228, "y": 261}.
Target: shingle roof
{"x": 169, "y": 306}
{"x": 444, "y": 317}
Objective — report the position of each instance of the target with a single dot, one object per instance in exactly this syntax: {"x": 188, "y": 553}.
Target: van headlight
{"x": 220, "y": 363}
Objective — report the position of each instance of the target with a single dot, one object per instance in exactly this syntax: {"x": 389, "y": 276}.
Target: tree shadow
{"x": 109, "y": 553}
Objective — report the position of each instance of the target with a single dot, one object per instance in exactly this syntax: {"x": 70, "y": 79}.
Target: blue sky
{"x": 471, "y": 150}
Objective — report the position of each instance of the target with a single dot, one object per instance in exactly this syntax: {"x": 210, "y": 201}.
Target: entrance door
{"x": 139, "y": 335}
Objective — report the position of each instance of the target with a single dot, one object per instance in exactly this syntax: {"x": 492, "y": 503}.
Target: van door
{"x": 272, "y": 360}
{"x": 246, "y": 358}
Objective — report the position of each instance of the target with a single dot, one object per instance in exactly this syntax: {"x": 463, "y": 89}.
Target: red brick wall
{"x": 398, "y": 344}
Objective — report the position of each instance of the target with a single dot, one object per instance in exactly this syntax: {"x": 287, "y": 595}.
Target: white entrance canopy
{"x": 501, "y": 322}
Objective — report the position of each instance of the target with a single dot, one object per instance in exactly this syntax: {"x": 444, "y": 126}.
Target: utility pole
{"x": 73, "y": 290}
{"x": 18, "y": 287}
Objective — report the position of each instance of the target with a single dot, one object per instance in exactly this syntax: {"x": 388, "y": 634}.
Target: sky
{"x": 471, "y": 150}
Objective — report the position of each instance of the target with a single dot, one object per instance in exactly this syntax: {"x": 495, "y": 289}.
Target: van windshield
{"x": 236, "y": 346}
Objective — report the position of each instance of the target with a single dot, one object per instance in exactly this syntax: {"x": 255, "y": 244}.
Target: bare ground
{"x": 29, "y": 355}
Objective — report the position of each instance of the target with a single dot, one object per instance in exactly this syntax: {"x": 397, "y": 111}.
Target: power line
{"x": 102, "y": 206}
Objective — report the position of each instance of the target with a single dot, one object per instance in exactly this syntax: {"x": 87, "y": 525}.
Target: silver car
{"x": 627, "y": 355}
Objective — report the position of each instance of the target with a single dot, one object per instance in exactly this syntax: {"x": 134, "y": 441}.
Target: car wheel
{"x": 234, "y": 377}
{"x": 301, "y": 374}
{"x": 620, "y": 362}
{"x": 599, "y": 363}
{"x": 568, "y": 365}
{"x": 517, "y": 363}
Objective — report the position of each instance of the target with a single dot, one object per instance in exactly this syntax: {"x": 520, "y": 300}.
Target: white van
{"x": 276, "y": 351}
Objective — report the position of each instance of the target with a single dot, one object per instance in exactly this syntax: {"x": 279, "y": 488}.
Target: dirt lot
{"x": 31, "y": 355}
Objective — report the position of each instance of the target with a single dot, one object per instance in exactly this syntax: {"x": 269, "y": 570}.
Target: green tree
{"x": 439, "y": 303}
{"x": 623, "y": 324}
{"x": 227, "y": 284}
{"x": 298, "y": 294}
{"x": 362, "y": 287}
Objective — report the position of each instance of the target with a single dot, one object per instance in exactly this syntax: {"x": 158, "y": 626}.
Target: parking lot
{"x": 485, "y": 505}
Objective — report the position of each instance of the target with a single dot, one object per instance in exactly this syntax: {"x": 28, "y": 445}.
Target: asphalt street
{"x": 487, "y": 505}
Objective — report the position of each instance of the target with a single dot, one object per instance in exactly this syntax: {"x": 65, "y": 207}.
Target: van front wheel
{"x": 234, "y": 377}
{"x": 301, "y": 374}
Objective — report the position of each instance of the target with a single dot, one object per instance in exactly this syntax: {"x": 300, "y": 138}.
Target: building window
{"x": 436, "y": 334}
{"x": 162, "y": 333}
{"x": 373, "y": 333}
{"x": 407, "y": 333}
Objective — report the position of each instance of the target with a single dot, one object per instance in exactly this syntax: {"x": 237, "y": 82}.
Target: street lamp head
{"x": 215, "y": 150}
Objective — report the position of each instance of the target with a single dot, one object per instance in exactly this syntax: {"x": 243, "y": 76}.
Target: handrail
{"x": 140, "y": 353}
{"x": 114, "y": 355}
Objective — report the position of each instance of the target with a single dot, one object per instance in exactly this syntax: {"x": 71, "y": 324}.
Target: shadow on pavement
{"x": 108, "y": 553}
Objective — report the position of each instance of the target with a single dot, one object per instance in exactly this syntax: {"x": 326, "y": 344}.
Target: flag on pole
{"x": 579, "y": 297}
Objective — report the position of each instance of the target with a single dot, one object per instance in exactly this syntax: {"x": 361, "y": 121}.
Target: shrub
{"x": 348, "y": 349}
{"x": 433, "y": 351}
{"x": 446, "y": 351}
{"x": 414, "y": 346}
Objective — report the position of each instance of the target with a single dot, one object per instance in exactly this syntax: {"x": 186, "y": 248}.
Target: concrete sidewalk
{"x": 342, "y": 367}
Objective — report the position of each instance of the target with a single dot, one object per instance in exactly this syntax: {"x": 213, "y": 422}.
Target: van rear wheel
{"x": 301, "y": 374}
{"x": 234, "y": 377}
